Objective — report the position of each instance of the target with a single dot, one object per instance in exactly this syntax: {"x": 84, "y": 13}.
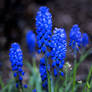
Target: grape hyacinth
{"x": 43, "y": 72}
{"x": 58, "y": 52}
{"x": 43, "y": 28}
{"x": 31, "y": 40}
{"x": 75, "y": 37}
{"x": 16, "y": 59}
{"x": 85, "y": 40}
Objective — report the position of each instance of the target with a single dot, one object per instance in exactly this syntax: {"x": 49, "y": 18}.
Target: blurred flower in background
{"x": 31, "y": 41}
{"x": 85, "y": 40}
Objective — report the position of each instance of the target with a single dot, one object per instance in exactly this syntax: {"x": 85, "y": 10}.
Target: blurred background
{"x": 18, "y": 16}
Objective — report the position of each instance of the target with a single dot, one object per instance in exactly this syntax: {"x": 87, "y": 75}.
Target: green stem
{"x": 52, "y": 84}
{"x": 56, "y": 85}
{"x": 90, "y": 86}
{"x": 34, "y": 64}
{"x": 82, "y": 58}
{"x": 88, "y": 89}
{"x": 20, "y": 89}
{"x": 49, "y": 82}
{"x": 74, "y": 75}
{"x": 66, "y": 79}
{"x": 48, "y": 75}
{"x": 55, "y": 89}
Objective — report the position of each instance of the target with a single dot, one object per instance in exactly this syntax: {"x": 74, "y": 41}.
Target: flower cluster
{"x": 43, "y": 28}
{"x": 31, "y": 40}
{"x": 43, "y": 72}
{"x": 16, "y": 59}
{"x": 75, "y": 37}
{"x": 58, "y": 52}
{"x": 85, "y": 40}
{"x": 56, "y": 42}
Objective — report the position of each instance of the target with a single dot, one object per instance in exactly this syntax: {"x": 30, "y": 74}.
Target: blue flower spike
{"x": 31, "y": 41}
{"x": 58, "y": 49}
{"x": 16, "y": 59}
{"x": 85, "y": 39}
{"x": 75, "y": 37}
{"x": 43, "y": 28}
{"x": 43, "y": 72}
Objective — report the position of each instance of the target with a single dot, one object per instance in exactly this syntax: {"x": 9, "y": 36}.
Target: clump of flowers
{"x": 31, "y": 41}
{"x": 43, "y": 28}
{"x": 56, "y": 42}
{"x": 78, "y": 40}
{"x": 55, "y": 46}
{"x": 16, "y": 59}
{"x": 58, "y": 52}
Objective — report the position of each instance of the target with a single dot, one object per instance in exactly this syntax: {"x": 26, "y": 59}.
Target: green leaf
{"x": 29, "y": 66}
{"x": 87, "y": 80}
{"x": 68, "y": 86}
{"x": 84, "y": 56}
{"x": 88, "y": 85}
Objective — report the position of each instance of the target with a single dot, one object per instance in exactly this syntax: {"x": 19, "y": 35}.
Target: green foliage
{"x": 10, "y": 87}
{"x": 34, "y": 79}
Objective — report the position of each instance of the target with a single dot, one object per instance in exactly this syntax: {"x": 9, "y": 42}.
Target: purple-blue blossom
{"x": 43, "y": 28}
{"x": 43, "y": 72}
{"x": 85, "y": 39}
{"x": 75, "y": 37}
{"x": 31, "y": 41}
{"x": 58, "y": 49}
{"x": 16, "y": 59}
